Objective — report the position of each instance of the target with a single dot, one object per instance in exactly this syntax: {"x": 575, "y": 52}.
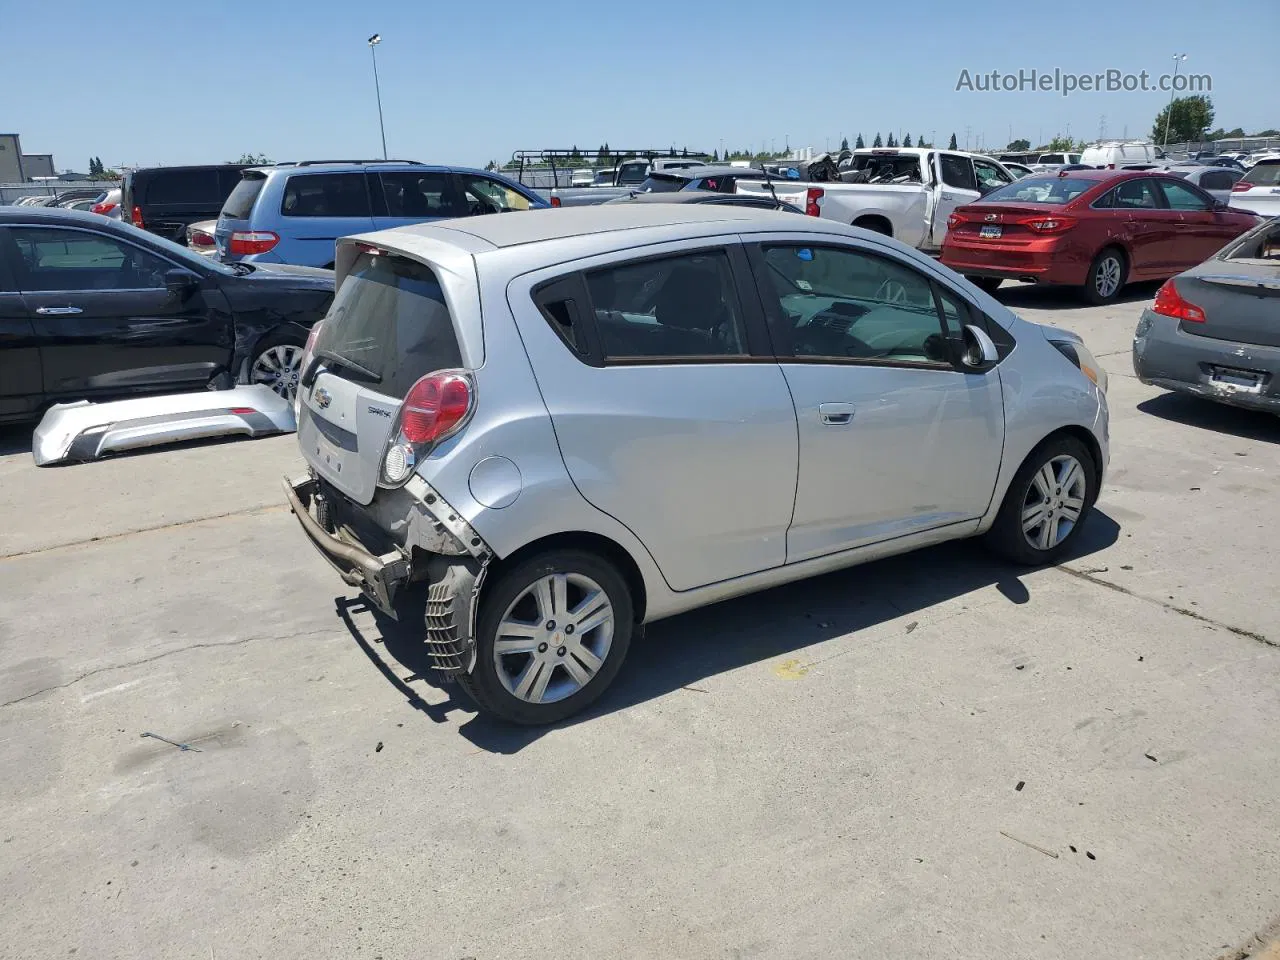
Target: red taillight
{"x": 434, "y": 407}
{"x": 311, "y": 341}
{"x": 244, "y": 242}
{"x": 1043, "y": 224}
{"x": 1170, "y": 303}
{"x": 811, "y": 198}
{"x": 243, "y": 411}
{"x": 201, "y": 239}
{"x": 555, "y": 201}
{"x": 1240, "y": 186}
{"x": 103, "y": 207}
{"x": 136, "y": 217}
{"x": 955, "y": 220}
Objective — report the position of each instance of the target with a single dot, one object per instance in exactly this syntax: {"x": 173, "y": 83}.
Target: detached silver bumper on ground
{"x": 379, "y": 578}
{"x": 86, "y": 431}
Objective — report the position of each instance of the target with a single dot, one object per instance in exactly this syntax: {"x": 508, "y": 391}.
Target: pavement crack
{"x": 1173, "y": 607}
{"x": 207, "y": 645}
{"x": 251, "y": 512}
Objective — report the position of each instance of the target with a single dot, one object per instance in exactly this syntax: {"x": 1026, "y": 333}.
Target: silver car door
{"x": 895, "y": 438}
{"x": 671, "y": 413}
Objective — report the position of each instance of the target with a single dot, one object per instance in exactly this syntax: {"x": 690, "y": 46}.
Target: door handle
{"x": 836, "y": 414}
{"x": 58, "y": 311}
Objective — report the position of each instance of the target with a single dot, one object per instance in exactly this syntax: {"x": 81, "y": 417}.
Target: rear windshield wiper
{"x": 336, "y": 360}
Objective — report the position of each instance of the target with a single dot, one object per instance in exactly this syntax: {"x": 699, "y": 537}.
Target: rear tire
{"x": 1107, "y": 276}
{"x": 552, "y": 634}
{"x": 1057, "y": 484}
{"x": 277, "y": 362}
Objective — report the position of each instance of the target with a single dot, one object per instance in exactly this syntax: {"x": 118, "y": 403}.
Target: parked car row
{"x": 92, "y": 308}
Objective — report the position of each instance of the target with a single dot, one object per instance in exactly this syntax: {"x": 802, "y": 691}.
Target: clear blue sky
{"x": 161, "y": 82}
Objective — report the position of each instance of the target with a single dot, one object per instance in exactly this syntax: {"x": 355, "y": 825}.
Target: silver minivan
{"x": 570, "y": 423}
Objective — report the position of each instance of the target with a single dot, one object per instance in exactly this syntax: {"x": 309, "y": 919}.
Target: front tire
{"x": 1107, "y": 276}
{"x": 552, "y": 634}
{"x": 1047, "y": 503}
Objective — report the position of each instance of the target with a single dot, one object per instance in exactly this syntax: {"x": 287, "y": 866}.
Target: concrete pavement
{"x": 936, "y": 755}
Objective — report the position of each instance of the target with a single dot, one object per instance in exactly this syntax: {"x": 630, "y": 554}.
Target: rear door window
{"x": 413, "y": 194}
{"x": 390, "y": 318}
{"x": 326, "y": 195}
{"x": 1218, "y": 180}
{"x": 684, "y": 306}
{"x": 240, "y": 203}
{"x": 183, "y": 186}
{"x": 1182, "y": 197}
{"x": 482, "y": 195}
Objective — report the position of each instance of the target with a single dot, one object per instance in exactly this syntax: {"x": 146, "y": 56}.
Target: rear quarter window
{"x": 326, "y": 195}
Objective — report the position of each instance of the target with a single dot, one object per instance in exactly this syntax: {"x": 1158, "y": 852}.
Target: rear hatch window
{"x": 1263, "y": 174}
{"x": 390, "y": 321}
{"x": 239, "y": 205}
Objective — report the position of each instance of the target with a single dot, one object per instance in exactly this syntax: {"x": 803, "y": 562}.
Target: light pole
{"x": 1177, "y": 59}
{"x": 373, "y": 44}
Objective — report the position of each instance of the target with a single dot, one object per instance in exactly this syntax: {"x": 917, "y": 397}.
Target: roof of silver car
{"x": 534, "y": 226}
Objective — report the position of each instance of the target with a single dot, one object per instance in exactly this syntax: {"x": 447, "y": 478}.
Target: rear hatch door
{"x": 389, "y": 326}
{"x": 1259, "y": 189}
{"x": 237, "y": 210}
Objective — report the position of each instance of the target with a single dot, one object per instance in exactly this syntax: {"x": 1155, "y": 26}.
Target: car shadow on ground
{"x": 1218, "y": 417}
{"x": 15, "y": 440}
{"x": 1035, "y": 297}
{"x": 681, "y": 652}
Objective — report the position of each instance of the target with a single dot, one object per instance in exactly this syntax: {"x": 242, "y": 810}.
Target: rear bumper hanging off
{"x": 379, "y": 578}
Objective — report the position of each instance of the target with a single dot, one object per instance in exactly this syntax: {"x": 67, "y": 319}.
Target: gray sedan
{"x": 1212, "y": 330}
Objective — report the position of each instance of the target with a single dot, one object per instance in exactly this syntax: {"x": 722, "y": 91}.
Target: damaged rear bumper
{"x": 453, "y": 577}
{"x": 378, "y": 577}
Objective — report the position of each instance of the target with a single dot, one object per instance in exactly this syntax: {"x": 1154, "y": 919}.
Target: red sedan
{"x": 1093, "y": 229}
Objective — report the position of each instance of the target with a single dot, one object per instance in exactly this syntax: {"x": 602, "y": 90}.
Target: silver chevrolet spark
{"x": 567, "y": 423}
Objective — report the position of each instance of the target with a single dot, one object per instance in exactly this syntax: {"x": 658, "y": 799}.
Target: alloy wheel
{"x": 1107, "y": 280}
{"x": 553, "y": 638}
{"x": 1054, "y": 502}
{"x": 278, "y": 368}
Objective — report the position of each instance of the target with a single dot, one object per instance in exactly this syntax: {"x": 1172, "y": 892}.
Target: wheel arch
{"x": 1074, "y": 430}
{"x": 595, "y": 543}
{"x": 878, "y": 223}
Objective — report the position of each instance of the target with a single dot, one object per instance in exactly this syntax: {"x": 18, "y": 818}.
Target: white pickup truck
{"x": 904, "y": 193}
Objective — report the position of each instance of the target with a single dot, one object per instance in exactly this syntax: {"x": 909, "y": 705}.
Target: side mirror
{"x": 980, "y": 352}
{"x": 1221, "y": 205}
{"x": 180, "y": 283}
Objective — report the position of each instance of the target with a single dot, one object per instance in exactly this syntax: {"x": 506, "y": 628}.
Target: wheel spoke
{"x": 587, "y": 658}
{"x": 1070, "y": 475}
{"x": 1044, "y": 481}
{"x": 559, "y": 596}
{"x": 1032, "y": 517}
{"x": 1071, "y": 508}
{"x": 518, "y": 628}
{"x": 508, "y": 645}
{"x": 524, "y": 683}
{"x": 540, "y": 685}
{"x": 581, "y": 675}
{"x": 542, "y": 594}
{"x": 591, "y": 617}
{"x": 1049, "y": 533}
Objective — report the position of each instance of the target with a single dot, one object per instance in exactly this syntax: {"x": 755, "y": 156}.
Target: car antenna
{"x": 768, "y": 182}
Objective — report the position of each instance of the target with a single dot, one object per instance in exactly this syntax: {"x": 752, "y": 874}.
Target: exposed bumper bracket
{"x": 379, "y": 578}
